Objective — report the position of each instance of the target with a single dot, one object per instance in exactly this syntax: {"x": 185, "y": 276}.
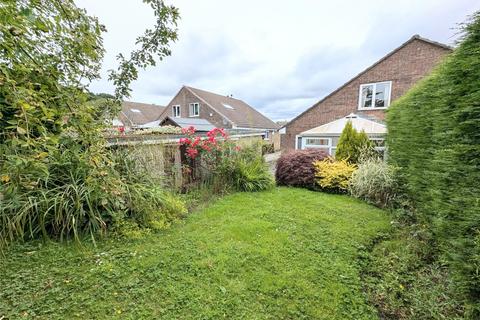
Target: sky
{"x": 278, "y": 56}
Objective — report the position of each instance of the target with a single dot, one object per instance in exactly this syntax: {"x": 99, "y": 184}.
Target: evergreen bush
{"x": 333, "y": 176}
{"x": 434, "y": 138}
{"x": 351, "y": 144}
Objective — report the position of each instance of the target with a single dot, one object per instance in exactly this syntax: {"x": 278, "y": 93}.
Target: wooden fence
{"x": 164, "y": 158}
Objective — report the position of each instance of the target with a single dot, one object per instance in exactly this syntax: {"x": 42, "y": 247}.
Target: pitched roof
{"x": 198, "y": 123}
{"x": 336, "y": 127}
{"x": 234, "y": 110}
{"x": 135, "y": 113}
{"x": 413, "y": 38}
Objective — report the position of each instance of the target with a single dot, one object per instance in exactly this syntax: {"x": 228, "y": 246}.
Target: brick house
{"x": 221, "y": 111}
{"x": 366, "y": 96}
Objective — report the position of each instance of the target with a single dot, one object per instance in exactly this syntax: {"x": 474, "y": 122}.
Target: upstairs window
{"x": 176, "y": 111}
{"x": 194, "y": 109}
{"x": 375, "y": 95}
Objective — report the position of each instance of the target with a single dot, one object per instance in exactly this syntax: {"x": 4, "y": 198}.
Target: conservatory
{"x": 326, "y": 136}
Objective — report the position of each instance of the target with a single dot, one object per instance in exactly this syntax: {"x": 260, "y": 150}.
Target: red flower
{"x": 185, "y": 141}
{"x": 238, "y": 148}
{"x": 196, "y": 141}
{"x": 192, "y": 152}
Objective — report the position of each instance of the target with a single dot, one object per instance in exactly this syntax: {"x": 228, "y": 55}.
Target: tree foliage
{"x": 434, "y": 137}
{"x": 52, "y": 154}
{"x": 351, "y": 144}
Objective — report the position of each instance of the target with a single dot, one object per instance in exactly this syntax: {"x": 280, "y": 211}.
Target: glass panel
{"x": 299, "y": 143}
{"x": 382, "y": 93}
{"x": 335, "y": 141}
{"x": 367, "y": 93}
{"x": 378, "y": 143}
{"x": 316, "y": 142}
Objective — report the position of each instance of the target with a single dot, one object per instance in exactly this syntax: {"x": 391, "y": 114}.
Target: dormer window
{"x": 176, "y": 111}
{"x": 375, "y": 95}
{"x": 194, "y": 109}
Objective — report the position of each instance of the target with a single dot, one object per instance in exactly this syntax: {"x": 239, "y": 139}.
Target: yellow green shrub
{"x": 333, "y": 175}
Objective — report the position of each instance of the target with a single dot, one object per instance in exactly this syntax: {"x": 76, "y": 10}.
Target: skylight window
{"x": 136, "y": 110}
{"x": 228, "y": 106}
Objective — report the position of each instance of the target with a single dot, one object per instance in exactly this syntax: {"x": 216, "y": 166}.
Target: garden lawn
{"x": 281, "y": 254}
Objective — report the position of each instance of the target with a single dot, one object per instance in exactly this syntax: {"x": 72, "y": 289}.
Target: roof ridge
{"x": 389, "y": 54}
{"x": 217, "y": 94}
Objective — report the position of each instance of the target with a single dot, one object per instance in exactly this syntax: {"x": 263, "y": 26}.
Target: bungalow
{"x": 365, "y": 98}
{"x": 218, "y": 110}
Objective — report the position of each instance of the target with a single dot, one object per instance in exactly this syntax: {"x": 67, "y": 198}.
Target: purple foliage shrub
{"x": 295, "y": 168}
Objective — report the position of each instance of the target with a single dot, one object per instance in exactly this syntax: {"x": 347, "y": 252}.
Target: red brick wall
{"x": 183, "y": 98}
{"x": 404, "y": 68}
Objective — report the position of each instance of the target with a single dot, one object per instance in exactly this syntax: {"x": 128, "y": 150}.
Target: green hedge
{"x": 434, "y": 137}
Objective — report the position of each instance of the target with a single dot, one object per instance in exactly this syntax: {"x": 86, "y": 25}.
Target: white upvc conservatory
{"x": 326, "y": 136}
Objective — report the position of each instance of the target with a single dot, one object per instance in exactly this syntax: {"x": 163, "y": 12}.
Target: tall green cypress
{"x": 351, "y": 144}
{"x": 434, "y": 137}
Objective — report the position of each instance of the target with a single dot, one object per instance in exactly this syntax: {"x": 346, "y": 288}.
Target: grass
{"x": 281, "y": 254}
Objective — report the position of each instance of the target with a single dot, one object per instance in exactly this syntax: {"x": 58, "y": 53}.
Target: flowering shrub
{"x": 226, "y": 165}
{"x": 217, "y": 140}
{"x": 296, "y": 169}
{"x": 333, "y": 175}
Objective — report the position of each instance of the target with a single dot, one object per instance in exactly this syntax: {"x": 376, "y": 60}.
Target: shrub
{"x": 375, "y": 182}
{"x": 295, "y": 168}
{"x": 225, "y": 165}
{"x": 333, "y": 175}
{"x": 82, "y": 195}
{"x": 267, "y": 147}
{"x": 351, "y": 144}
{"x": 434, "y": 139}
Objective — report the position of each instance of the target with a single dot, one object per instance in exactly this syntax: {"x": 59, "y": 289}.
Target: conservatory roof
{"x": 335, "y": 128}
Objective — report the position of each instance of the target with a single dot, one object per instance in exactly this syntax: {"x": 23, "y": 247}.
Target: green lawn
{"x": 282, "y": 254}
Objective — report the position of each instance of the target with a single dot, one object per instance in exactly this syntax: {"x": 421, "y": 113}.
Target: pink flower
{"x": 196, "y": 141}
{"x": 185, "y": 141}
{"x": 238, "y": 148}
{"x": 192, "y": 153}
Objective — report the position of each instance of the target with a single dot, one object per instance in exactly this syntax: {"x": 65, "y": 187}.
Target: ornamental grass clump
{"x": 295, "y": 168}
{"x": 333, "y": 176}
{"x": 375, "y": 182}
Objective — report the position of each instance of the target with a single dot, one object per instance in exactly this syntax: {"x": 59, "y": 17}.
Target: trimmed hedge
{"x": 295, "y": 168}
{"x": 434, "y": 138}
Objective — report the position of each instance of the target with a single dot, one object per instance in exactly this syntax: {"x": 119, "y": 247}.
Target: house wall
{"x": 183, "y": 98}
{"x": 404, "y": 68}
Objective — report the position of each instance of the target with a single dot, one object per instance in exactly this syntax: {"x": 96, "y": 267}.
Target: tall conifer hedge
{"x": 434, "y": 137}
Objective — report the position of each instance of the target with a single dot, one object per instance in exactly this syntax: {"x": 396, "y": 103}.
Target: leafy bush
{"x": 375, "y": 182}
{"x": 333, "y": 175}
{"x": 434, "y": 139}
{"x": 56, "y": 175}
{"x": 351, "y": 144}
{"x": 295, "y": 168}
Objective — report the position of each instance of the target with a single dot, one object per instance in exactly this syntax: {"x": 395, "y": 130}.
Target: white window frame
{"x": 191, "y": 109}
{"x": 176, "y": 111}
{"x": 304, "y": 145}
{"x": 374, "y": 84}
